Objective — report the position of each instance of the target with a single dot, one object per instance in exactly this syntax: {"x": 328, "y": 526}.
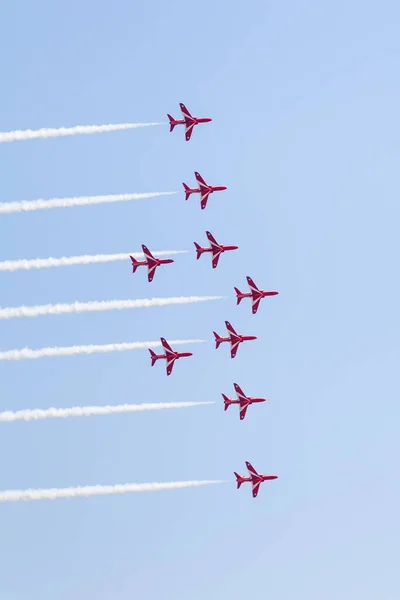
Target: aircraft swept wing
{"x": 205, "y": 190}
{"x": 215, "y": 249}
{"x": 234, "y": 339}
{"x": 189, "y": 121}
{"x": 255, "y": 295}
{"x": 170, "y": 354}
{"x": 151, "y": 263}
{"x": 255, "y": 479}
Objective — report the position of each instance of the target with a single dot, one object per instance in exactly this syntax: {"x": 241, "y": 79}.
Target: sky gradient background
{"x": 304, "y": 99}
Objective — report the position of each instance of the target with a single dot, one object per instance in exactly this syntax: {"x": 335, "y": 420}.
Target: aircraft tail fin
{"x": 239, "y": 295}
{"x": 135, "y": 264}
{"x": 227, "y": 402}
{"x": 199, "y": 250}
{"x": 154, "y": 357}
{"x": 172, "y": 122}
{"x": 239, "y": 479}
{"x": 218, "y": 340}
{"x": 188, "y": 191}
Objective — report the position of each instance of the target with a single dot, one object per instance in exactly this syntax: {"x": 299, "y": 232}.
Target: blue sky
{"x": 304, "y": 99}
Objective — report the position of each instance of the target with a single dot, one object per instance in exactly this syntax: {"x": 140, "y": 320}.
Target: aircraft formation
{"x": 169, "y": 355}
{"x": 233, "y": 338}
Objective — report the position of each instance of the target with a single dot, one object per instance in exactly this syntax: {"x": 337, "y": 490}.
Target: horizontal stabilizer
{"x": 172, "y": 122}
{"x": 187, "y": 191}
{"x": 217, "y": 339}
{"x": 135, "y": 264}
{"x": 239, "y": 479}
{"x": 239, "y": 296}
{"x": 227, "y": 402}
{"x": 199, "y": 250}
{"x": 154, "y": 357}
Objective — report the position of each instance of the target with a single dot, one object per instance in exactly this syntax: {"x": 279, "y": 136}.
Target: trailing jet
{"x": 204, "y": 190}
{"x": 215, "y": 248}
{"x": 188, "y": 121}
{"x": 243, "y": 400}
{"x": 255, "y": 294}
{"x": 254, "y": 477}
{"x": 170, "y": 356}
{"x": 234, "y": 338}
{"x": 151, "y": 262}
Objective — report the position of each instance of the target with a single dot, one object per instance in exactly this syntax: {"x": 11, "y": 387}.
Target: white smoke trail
{"x": 66, "y": 261}
{"x": 88, "y": 411}
{"x": 29, "y": 205}
{"x": 31, "y": 134}
{"x": 97, "y": 490}
{"x": 98, "y": 306}
{"x": 89, "y": 349}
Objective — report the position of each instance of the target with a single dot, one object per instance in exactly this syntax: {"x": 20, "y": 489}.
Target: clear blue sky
{"x": 305, "y": 102}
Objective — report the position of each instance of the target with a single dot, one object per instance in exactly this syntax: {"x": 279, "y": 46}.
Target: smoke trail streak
{"x": 85, "y": 259}
{"x": 31, "y": 134}
{"x": 88, "y": 411}
{"x": 97, "y": 490}
{"x": 29, "y": 205}
{"x": 26, "y": 353}
{"x": 98, "y": 306}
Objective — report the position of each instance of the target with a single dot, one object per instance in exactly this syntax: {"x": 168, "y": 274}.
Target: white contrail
{"x": 88, "y": 411}
{"x": 29, "y": 205}
{"x": 89, "y": 349}
{"x": 31, "y": 134}
{"x": 85, "y": 259}
{"x": 98, "y": 306}
{"x": 97, "y": 490}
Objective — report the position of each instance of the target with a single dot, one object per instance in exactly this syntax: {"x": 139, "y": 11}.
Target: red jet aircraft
{"x": 170, "y": 356}
{"x": 254, "y": 293}
{"x": 234, "y": 338}
{"x": 243, "y": 400}
{"x": 151, "y": 262}
{"x": 254, "y": 477}
{"x": 204, "y": 190}
{"x": 215, "y": 248}
{"x": 188, "y": 121}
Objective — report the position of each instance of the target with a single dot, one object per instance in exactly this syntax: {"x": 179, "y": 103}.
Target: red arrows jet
{"x": 170, "y": 356}
{"x": 234, "y": 338}
{"x": 243, "y": 400}
{"x": 204, "y": 190}
{"x": 215, "y": 248}
{"x": 151, "y": 262}
{"x": 254, "y": 477}
{"x": 188, "y": 121}
{"x": 254, "y": 293}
